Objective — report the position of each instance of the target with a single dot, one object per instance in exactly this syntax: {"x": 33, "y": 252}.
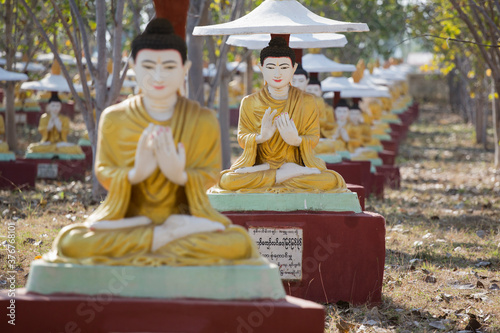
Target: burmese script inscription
{"x": 281, "y": 246}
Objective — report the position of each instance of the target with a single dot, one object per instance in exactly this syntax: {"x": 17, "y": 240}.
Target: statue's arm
{"x": 64, "y": 128}
{"x": 203, "y": 153}
{"x": 247, "y": 131}
{"x": 309, "y": 129}
{"x": 111, "y": 161}
{"x": 42, "y": 127}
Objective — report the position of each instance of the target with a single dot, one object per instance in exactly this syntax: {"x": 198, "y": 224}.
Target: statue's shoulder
{"x": 195, "y": 110}
{"x": 118, "y": 110}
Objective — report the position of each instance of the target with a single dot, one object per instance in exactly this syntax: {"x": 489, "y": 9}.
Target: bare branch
{"x": 492, "y": 24}
{"x": 55, "y": 52}
{"x": 86, "y": 48}
{"x": 116, "y": 81}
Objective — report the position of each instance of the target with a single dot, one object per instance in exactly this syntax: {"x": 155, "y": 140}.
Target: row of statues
{"x": 158, "y": 153}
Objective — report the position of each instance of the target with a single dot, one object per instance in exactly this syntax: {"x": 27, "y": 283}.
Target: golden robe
{"x": 4, "y": 147}
{"x": 156, "y": 197}
{"x": 301, "y": 107}
{"x": 54, "y": 136}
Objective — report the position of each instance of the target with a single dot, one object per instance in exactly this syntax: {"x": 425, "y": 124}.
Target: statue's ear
{"x": 295, "y": 67}
{"x": 187, "y": 66}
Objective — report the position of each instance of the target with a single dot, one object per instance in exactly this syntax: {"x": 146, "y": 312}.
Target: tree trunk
{"x": 496, "y": 120}
{"x": 10, "y": 116}
{"x": 478, "y": 121}
{"x": 198, "y": 15}
{"x": 249, "y": 75}
{"x": 224, "y": 119}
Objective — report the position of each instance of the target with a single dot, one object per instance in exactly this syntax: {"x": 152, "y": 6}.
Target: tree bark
{"x": 496, "y": 120}
{"x": 197, "y": 15}
{"x": 224, "y": 119}
{"x": 10, "y": 116}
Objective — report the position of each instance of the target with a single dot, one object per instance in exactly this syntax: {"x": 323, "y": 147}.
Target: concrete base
{"x": 343, "y": 254}
{"x": 388, "y": 157}
{"x": 107, "y": 313}
{"x": 17, "y": 174}
{"x": 89, "y": 160}
{"x": 391, "y": 146}
{"x": 203, "y": 282}
{"x": 391, "y": 175}
{"x": 354, "y": 172}
{"x": 58, "y": 169}
{"x": 6, "y": 157}
{"x": 285, "y": 202}
{"x": 330, "y": 158}
{"x": 360, "y": 191}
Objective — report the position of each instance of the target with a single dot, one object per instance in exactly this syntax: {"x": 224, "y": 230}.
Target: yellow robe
{"x": 301, "y": 107}
{"x": 4, "y": 147}
{"x": 156, "y": 197}
{"x": 54, "y": 136}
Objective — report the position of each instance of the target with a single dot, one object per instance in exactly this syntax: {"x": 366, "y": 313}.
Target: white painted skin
{"x": 300, "y": 81}
{"x": 53, "y": 109}
{"x": 355, "y": 116}
{"x": 314, "y": 89}
{"x": 341, "y": 116}
{"x": 278, "y": 73}
{"x": 160, "y": 76}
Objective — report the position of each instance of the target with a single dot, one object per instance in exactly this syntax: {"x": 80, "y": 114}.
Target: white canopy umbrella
{"x": 241, "y": 66}
{"x": 12, "y": 76}
{"x": 31, "y": 67}
{"x": 50, "y": 82}
{"x": 49, "y": 57}
{"x": 350, "y": 89}
{"x": 297, "y": 41}
{"x": 319, "y": 63}
{"x": 279, "y": 17}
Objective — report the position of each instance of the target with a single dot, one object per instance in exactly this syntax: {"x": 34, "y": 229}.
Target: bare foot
{"x": 178, "y": 226}
{"x": 255, "y": 168}
{"x": 290, "y": 170}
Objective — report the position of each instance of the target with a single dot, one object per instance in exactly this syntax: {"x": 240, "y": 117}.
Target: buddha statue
{"x": 157, "y": 154}
{"x": 360, "y": 136}
{"x": 54, "y": 128}
{"x": 326, "y": 122}
{"x": 4, "y": 147}
{"x": 278, "y": 130}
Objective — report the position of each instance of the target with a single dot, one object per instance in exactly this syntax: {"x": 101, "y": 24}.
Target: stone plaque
{"x": 47, "y": 170}
{"x": 281, "y": 246}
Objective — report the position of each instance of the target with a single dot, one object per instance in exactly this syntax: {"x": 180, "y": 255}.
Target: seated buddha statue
{"x": 4, "y": 147}
{"x": 360, "y": 136}
{"x": 387, "y": 106}
{"x": 373, "y": 115}
{"x": 326, "y": 121}
{"x": 157, "y": 154}
{"x": 54, "y": 128}
{"x": 278, "y": 129}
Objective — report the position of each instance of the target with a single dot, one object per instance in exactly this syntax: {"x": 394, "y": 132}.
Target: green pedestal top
{"x": 5, "y": 157}
{"x": 285, "y": 202}
{"x": 330, "y": 158}
{"x": 50, "y": 156}
{"x": 205, "y": 282}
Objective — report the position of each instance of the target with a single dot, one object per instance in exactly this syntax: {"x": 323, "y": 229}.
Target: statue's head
{"x": 54, "y": 105}
{"x": 355, "y": 114}
{"x": 159, "y": 57}
{"x": 300, "y": 78}
{"x": 314, "y": 87}
{"x": 342, "y": 111}
{"x": 277, "y": 63}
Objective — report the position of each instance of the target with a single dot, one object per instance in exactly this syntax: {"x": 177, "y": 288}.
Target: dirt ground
{"x": 443, "y": 241}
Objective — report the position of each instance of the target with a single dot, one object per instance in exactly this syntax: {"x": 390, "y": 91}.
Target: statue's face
{"x": 314, "y": 89}
{"x": 278, "y": 72}
{"x": 300, "y": 81}
{"x": 160, "y": 73}
{"x": 355, "y": 116}
{"x": 341, "y": 113}
{"x": 53, "y": 108}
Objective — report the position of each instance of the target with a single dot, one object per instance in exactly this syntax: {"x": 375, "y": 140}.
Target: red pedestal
{"x": 89, "y": 160}
{"x": 343, "y": 254}
{"x": 17, "y": 174}
{"x": 360, "y": 191}
{"x": 105, "y": 314}
{"x": 234, "y": 117}
{"x": 33, "y": 118}
{"x": 390, "y": 145}
{"x": 66, "y": 169}
{"x": 354, "y": 172}
{"x": 378, "y": 181}
{"x": 387, "y": 157}
{"x": 391, "y": 175}
{"x": 401, "y": 130}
